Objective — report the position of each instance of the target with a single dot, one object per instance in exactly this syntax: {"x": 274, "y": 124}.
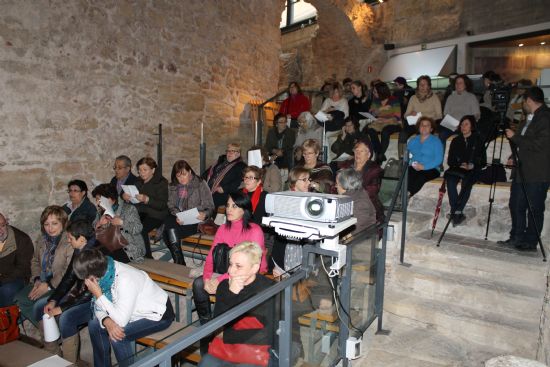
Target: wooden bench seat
{"x": 319, "y": 325}
{"x": 175, "y": 331}
{"x": 197, "y": 246}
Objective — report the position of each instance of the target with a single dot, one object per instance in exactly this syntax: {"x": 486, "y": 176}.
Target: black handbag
{"x": 456, "y": 172}
{"x": 220, "y": 258}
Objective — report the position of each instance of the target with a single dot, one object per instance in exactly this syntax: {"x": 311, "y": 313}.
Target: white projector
{"x": 310, "y": 206}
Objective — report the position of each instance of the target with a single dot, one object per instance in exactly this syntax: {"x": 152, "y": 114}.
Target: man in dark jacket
{"x": 123, "y": 173}
{"x": 532, "y": 140}
{"x": 16, "y": 251}
{"x": 280, "y": 142}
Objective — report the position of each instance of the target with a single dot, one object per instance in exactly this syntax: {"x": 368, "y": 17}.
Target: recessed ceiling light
{"x": 520, "y": 45}
{"x": 543, "y": 43}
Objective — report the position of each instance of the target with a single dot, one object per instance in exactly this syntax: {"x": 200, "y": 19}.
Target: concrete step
{"x": 480, "y": 327}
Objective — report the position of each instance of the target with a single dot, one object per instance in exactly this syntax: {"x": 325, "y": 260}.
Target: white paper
{"x": 368, "y": 116}
{"x": 53, "y": 361}
{"x": 450, "y": 122}
{"x": 343, "y": 157}
{"x": 106, "y": 204}
{"x": 132, "y": 191}
{"x": 411, "y": 120}
{"x": 321, "y": 116}
{"x": 255, "y": 158}
{"x": 220, "y": 219}
{"x": 188, "y": 216}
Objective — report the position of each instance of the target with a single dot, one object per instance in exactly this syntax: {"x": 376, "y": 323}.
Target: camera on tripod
{"x": 500, "y": 96}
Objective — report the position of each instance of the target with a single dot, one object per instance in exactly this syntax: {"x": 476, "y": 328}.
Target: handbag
{"x": 110, "y": 237}
{"x": 456, "y": 172}
{"x": 220, "y": 258}
{"x": 239, "y": 353}
{"x": 9, "y": 330}
{"x": 208, "y": 227}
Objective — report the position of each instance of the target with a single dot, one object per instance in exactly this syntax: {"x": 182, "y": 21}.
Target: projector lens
{"x": 315, "y": 207}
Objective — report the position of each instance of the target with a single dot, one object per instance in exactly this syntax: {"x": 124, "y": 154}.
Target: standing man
{"x": 16, "y": 250}
{"x": 123, "y": 173}
{"x": 532, "y": 141}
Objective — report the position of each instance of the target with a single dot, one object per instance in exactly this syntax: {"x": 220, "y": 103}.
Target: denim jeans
{"x": 523, "y": 228}
{"x": 70, "y": 319}
{"x": 8, "y": 291}
{"x": 465, "y": 190}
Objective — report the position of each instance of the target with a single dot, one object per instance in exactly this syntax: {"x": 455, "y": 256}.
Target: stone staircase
{"x": 459, "y": 304}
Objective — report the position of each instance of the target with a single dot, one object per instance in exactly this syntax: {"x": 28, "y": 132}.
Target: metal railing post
{"x": 404, "y": 202}
{"x": 381, "y": 278}
{"x": 285, "y": 330}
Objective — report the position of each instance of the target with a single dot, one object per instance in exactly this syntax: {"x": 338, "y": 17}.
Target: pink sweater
{"x": 233, "y": 237}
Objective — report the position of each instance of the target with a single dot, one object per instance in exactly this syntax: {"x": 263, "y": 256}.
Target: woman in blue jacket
{"x": 426, "y": 155}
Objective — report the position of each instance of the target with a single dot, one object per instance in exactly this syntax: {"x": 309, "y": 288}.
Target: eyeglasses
{"x": 73, "y": 190}
{"x": 248, "y": 178}
{"x": 231, "y": 151}
{"x": 305, "y": 179}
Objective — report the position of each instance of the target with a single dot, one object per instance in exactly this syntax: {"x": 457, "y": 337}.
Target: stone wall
{"x": 84, "y": 81}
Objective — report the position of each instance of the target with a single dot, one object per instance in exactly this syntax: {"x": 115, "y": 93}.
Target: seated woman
{"x": 247, "y": 345}
{"x": 51, "y": 258}
{"x": 271, "y": 179}
{"x": 336, "y": 100}
{"x": 461, "y": 102}
{"x": 319, "y": 172}
{"x": 226, "y": 175}
{"x": 186, "y": 191}
{"x": 127, "y": 305}
{"x": 424, "y": 102}
{"x": 346, "y": 140}
{"x": 70, "y": 301}
{"x": 79, "y": 206}
{"x": 252, "y": 179}
{"x": 126, "y": 216}
{"x": 280, "y": 141}
{"x": 308, "y": 129}
{"x": 238, "y": 228}
{"x": 349, "y": 182}
{"x": 359, "y": 101}
{"x": 426, "y": 155}
{"x": 152, "y": 199}
{"x": 295, "y": 104}
{"x": 387, "y": 110}
{"x": 466, "y": 158}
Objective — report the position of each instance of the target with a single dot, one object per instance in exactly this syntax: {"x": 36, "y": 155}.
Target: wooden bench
{"x": 327, "y": 324}
{"x": 197, "y": 246}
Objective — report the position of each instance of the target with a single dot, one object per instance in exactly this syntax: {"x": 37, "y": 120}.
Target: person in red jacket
{"x": 295, "y": 104}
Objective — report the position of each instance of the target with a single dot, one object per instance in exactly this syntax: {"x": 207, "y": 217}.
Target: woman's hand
{"x": 51, "y": 309}
{"x": 418, "y": 166}
{"x": 117, "y": 221}
{"x": 180, "y": 222}
{"x": 39, "y": 289}
{"x": 115, "y": 332}
{"x": 413, "y": 113}
{"x": 126, "y": 197}
{"x": 93, "y": 287}
{"x": 211, "y": 285}
{"x": 201, "y": 216}
{"x": 142, "y": 198}
{"x": 104, "y": 220}
{"x": 236, "y": 284}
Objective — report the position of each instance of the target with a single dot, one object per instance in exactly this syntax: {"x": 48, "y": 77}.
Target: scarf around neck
{"x": 48, "y": 256}
{"x": 422, "y": 99}
{"x": 255, "y": 199}
{"x": 107, "y": 280}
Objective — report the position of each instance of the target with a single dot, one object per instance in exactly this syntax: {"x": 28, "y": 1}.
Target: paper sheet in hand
{"x": 321, "y": 116}
{"x": 132, "y": 191}
{"x": 188, "y": 216}
{"x": 411, "y": 120}
{"x": 106, "y": 204}
{"x": 53, "y": 361}
{"x": 368, "y": 116}
{"x": 255, "y": 158}
{"x": 343, "y": 157}
{"x": 450, "y": 122}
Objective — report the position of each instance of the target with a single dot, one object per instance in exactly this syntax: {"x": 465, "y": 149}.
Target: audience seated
{"x": 319, "y": 172}
{"x": 238, "y": 228}
{"x": 152, "y": 199}
{"x": 79, "y": 206}
{"x": 308, "y": 129}
{"x": 359, "y": 101}
{"x": 347, "y": 138}
{"x": 387, "y": 110}
{"x": 349, "y": 182}
{"x": 123, "y": 173}
{"x": 426, "y": 155}
{"x": 127, "y": 305}
{"x": 51, "y": 258}
{"x": 336, "y": 101}
{"x": 295, "y": 104}
{"x": 403, "y": 92}
{"x": 462, "y": 102}
{"x": 271, "y": 179}
{"x": 280, "y": 141}
{"x": 186, "y": 191}
{"x": 226, "y": 175}
{"x": 127, "y": 217}
{"x": 70, "y": 301}
{"x": 16, "y": 251}
{"x": 253, "y": 187}
{"x": 466, "y": 158}
{"x": 247, "y": 340}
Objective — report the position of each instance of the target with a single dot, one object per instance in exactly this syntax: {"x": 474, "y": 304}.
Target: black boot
{"x": 204, "y": 311}
{"x": 172, "y": 242}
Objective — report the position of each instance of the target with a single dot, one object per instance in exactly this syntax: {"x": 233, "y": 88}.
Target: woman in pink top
{"x": 238, "y": 228}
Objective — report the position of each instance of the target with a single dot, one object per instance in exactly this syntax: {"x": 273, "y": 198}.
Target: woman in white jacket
{"x": 127, "y": 305}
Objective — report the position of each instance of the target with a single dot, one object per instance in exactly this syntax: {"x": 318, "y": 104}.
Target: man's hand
{"x": 116, "y": 333}
{"x": 142, "y": 198}
{"x": 93, "y": 287}
{"x": 211, "y": 285}
{"x": 509, "y": 133}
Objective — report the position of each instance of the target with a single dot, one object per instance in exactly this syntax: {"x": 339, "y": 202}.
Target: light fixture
{"x": 520, "y": 45}
{"x": 543, "y": 43}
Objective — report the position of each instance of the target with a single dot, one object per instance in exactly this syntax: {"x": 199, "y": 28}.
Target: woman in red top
{"x": 295, "y": 104}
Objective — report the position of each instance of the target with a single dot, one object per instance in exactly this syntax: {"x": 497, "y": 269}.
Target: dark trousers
{"x": 523, "y": 228}
{"x": 417, "y": 179}
{"x": 181, "y": 231}
{"x": 465, "y": 190}
{"x": 380, "y": 145}
{"x": 8, "y": 290}
{"x": 149, "y": 223}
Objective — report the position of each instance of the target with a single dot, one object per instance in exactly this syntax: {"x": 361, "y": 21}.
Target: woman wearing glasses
{"x": 319, "y": 172}
{"x": 185, "y": 191}
{"x": 253, "y": 187}
{"x": 225, "y": 176}
{"x": 79, "y": 206}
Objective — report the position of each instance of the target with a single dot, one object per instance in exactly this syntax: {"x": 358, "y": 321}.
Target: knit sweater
{"x": 233, "y": 236}
{"x": 340, "y": 105}
{"x": 460, "y": 105}
{"x": 429, "y": 153}
{"x": 431, "y": 107}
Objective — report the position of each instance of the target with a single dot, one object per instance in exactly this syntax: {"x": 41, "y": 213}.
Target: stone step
{"x": 480, "y": 327}
{"x": 473, "y": 291}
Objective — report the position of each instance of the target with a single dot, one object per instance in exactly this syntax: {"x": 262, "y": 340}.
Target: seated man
{"x": 280, "y": 142}
{"x": 123, "y": 173}
{"x": 16, "y": 251}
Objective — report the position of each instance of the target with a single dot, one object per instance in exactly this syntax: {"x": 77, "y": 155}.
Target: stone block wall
{"x": 82, "y": 82}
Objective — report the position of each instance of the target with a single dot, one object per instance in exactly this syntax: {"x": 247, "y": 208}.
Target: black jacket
{"x": 229, "y": 183}
{"x": 157, "y": 191}
{"x": 17, "y": 265}
{"x": 357, "y": 105}
{"x": 86, "y": 211}
{"x": 131, "y": 180}
{"x": 467, "y": 150}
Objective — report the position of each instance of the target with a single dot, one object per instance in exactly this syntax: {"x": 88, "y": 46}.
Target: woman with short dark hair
{"x": 79, "y": 206}
{"x": 349, "y": 182}
{"x": 295, "y": 104}
{"x": 320, "y": 173}
{"x": 253, "y": 187}
{"x": 127, "y": 305}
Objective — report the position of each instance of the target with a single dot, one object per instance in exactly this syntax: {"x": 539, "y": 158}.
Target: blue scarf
{"x": 51, "y": 242}
{"x": 107, "y": 280}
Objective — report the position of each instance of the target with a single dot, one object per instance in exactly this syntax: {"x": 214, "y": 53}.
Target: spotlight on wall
{"x": 542, "y": 43}
{"x": 520, "y": 45}
{"x": 374, "y": 2}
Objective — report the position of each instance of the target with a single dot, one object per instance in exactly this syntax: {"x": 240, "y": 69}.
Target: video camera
{"x": 500, "y": 96}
